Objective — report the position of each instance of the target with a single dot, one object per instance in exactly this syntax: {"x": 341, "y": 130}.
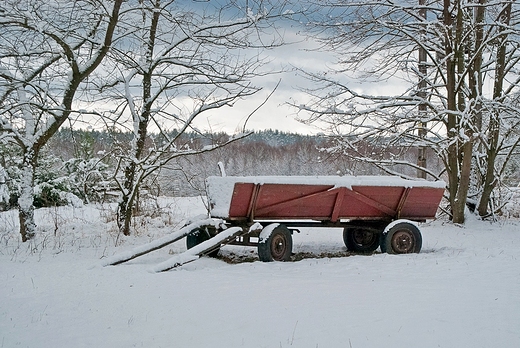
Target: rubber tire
{"x": 277, "y": 247}
{"x": 201, "y": 235}
{"x": 358, "y": 239}
{"x": 402, "y": 238}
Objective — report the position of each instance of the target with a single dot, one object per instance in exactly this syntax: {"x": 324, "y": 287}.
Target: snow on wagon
{"x": 374, "y": 211}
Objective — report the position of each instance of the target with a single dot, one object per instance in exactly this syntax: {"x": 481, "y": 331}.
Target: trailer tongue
{"x": 374, "y": 211}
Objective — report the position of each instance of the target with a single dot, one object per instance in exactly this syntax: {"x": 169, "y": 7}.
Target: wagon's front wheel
{"x": 402, "y": 238}
{"x": 359, "y": 239}
{"x": 277, "y": 245}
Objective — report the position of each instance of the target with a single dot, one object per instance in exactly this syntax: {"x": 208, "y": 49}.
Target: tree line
{"x": 77, "y": 165}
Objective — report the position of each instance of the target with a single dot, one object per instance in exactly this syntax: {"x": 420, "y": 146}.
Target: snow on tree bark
{"x": 40, "y": 85}
{"x": 25, "y": 203}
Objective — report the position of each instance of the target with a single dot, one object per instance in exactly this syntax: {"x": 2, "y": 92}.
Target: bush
{"x": 50, "y": 194}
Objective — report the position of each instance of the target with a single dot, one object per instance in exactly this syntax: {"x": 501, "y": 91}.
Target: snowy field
{"x": 462, "y": 290}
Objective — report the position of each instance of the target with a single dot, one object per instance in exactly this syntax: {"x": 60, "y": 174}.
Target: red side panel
{"x": 242, "y": 195}
{"x": 422, "y": 202}
{"x": 325, "y": 202}
{"x": 371, "y": 201}
{"x": 295, "y": 201}
{"x": 388, "y": 196}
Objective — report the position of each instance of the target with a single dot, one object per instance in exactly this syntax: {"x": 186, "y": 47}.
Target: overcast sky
{"x": 299, "y": 52}
{"x": 275, "y": 114}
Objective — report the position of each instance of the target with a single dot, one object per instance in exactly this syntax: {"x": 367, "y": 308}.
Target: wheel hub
{"x": 278, "y": 247}
{"x": 363, "y": 237}
{"x": 403, "y": 242}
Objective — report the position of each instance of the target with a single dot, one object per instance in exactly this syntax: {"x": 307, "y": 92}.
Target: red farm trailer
{"x": 374, "y": 211}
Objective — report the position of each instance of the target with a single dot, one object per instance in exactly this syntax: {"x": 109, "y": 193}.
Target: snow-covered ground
{"x": 462, "y": 290}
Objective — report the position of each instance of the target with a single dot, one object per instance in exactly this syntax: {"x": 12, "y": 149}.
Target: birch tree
{"x": 177, "y": 64}
{"x": 48, "y": 49}
{"x": 469, "y": 45}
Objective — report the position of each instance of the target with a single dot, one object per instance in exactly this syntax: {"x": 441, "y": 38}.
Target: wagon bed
{"x": 325, "y": 199}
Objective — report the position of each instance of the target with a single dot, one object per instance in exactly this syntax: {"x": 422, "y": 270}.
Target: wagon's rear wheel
{"x": 360, "y": 239}
{"x": 201, "y": 235}
{"x": 277, "y": 246}
{"x": 402, "y": 238}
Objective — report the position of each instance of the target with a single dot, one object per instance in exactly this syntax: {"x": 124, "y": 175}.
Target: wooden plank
{"x": 159, "y": 243}
{"x": 241, "y": 200}
{"x": 340, "y": 196}
{"x": 252, "y": 203}
{"x": 402, "y": 201}
{"x": 203, "y": 248}
{"x": 422, "y": 202}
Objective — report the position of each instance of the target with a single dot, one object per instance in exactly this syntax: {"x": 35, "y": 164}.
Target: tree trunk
{"x": 475, "y": 78}
{"x": 131, "y": 185}
{"x": 422, "y": 85}
{"x": 465, "y": 174}
{"x": 490, "y": 179}
{"x": 452, "y": 161}
{"x": 125, "y": 206}
{"x": 460, "y": 150}
{"x": 26, "y": 199}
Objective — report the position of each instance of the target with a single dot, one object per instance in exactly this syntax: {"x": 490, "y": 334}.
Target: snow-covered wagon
{"x": 374, "y": 211}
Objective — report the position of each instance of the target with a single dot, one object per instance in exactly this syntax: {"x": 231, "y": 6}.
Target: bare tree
{"x": 48, "y": 49}
{"x": 176, "y": 64}
{"x": 503, "y": 118}
{"x": 469, "y": 45}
